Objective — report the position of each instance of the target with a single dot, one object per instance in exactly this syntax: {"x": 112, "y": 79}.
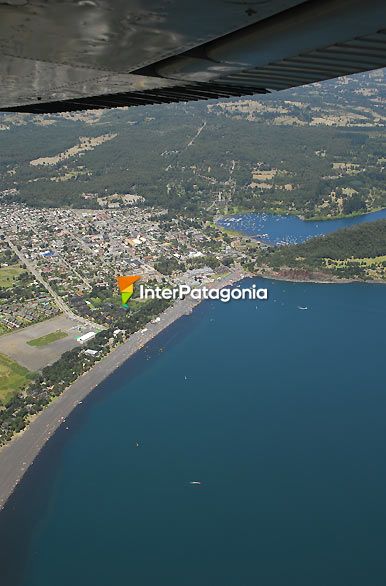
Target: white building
{"x": 86, "y": 337}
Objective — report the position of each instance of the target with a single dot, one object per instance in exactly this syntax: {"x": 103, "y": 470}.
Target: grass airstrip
{"x": 47, "y": 339}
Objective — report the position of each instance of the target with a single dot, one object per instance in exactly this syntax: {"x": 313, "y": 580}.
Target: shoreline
{"x": 20, "y": 452}
{"x": 284, "y": 212}
{"x": 318, "y": 280}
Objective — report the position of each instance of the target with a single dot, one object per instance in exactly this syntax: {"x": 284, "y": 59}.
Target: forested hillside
{"x": 300, "y": 151}
{"x": 359, "y": 251}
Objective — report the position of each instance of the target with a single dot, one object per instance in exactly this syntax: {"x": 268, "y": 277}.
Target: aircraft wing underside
{"x": 59, "y": 56}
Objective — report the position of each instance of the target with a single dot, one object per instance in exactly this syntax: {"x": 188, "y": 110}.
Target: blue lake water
{"x": 273, "y": 229}
{"x": 280, "y": 413}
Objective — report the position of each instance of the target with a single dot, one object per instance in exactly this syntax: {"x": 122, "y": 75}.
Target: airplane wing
{"x": 64, "y": 55}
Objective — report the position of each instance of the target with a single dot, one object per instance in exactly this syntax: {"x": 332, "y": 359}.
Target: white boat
{"x": 194, "y": 482}
{"x": 299, "y": 307}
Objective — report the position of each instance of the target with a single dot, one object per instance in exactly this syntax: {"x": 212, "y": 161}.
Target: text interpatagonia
{"x": 203, "y": 293}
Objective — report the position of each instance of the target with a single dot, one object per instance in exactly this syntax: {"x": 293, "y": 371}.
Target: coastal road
{"x": 19, "y": 454}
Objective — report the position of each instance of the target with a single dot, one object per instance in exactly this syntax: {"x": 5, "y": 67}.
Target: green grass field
{"x": 8, "y": 275}
{"x": 12, "y": 378}
{"x": 47, "y": 339}
{"x": 3, "y": 329}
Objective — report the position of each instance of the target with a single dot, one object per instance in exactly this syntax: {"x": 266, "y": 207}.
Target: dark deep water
{"x": 281, "y": 416}
{"x": 273, "y": 229}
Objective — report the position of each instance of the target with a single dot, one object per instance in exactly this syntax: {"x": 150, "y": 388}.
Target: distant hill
{"x": 317, "y": 151}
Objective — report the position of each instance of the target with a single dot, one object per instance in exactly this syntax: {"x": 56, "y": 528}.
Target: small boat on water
{"x": 300, "y": 307}
{"x": 195, "y": 482}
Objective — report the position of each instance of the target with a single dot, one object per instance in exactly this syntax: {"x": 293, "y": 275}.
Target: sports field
{"x": 8, "y": 275}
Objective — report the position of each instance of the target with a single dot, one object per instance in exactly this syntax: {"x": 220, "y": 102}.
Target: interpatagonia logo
{"x": 126, "y": 287}
{"x": 223, "y": 294}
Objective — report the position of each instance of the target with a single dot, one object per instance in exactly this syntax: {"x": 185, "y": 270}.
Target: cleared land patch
{"x": 12, "y": 378}
{"x": 86, "y": 144}
{"x": 374, "y": 267}
{"x": 47, "y": 339}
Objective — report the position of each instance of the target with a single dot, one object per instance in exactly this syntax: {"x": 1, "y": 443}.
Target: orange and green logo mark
{"x": 126, "y": 287}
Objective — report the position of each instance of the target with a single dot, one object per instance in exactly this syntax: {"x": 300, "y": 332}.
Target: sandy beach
{"x": 19, "y": 454}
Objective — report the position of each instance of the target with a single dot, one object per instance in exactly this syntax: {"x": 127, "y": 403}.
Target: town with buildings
{"x": 60, "y": 307}
{"x": 74, "y": 256}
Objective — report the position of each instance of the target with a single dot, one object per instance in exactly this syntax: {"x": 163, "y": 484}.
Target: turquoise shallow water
{"x": 290, "y": 229}
{"x": 281, "y": 416}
